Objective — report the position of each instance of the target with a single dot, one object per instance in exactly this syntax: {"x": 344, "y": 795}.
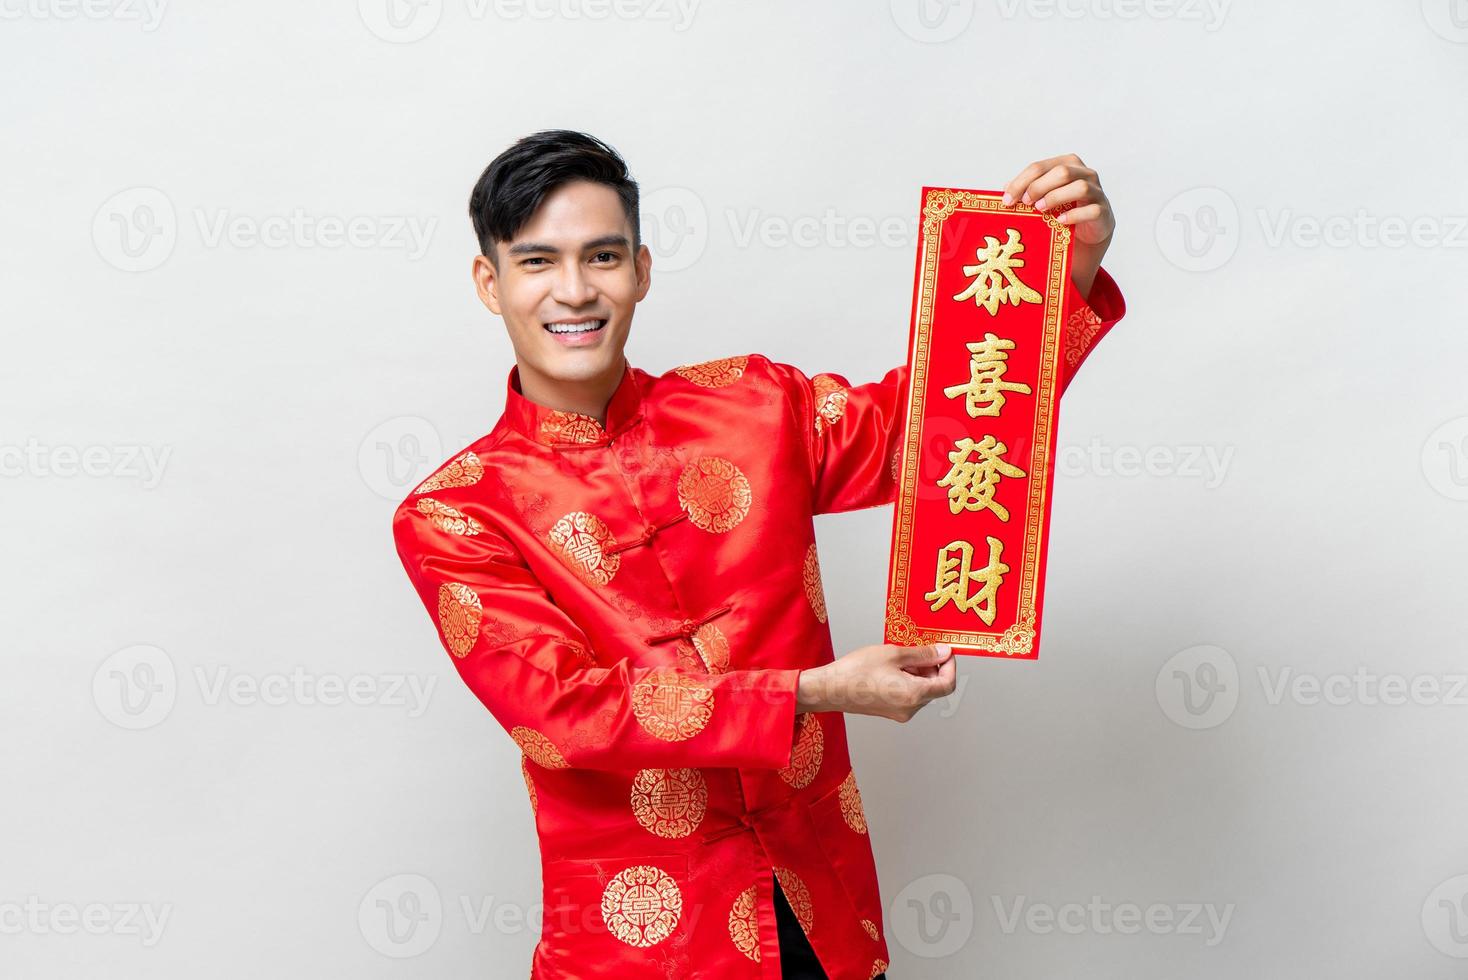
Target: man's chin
{"x": 583, "y": 364}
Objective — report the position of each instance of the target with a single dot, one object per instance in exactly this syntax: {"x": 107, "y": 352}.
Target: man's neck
{"x": 588, "y": 397}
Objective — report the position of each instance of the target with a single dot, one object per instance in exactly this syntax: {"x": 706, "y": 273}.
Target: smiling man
{"x": 624, "y": 570}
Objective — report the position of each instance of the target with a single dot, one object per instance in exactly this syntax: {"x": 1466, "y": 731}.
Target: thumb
{"x": 928, "y": 655}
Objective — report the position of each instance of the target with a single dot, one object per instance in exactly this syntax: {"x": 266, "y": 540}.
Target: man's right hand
{"x": 883, "y": 680}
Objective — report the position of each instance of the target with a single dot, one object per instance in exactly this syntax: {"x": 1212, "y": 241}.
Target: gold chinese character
{"x": 994, "y": 279}
{"x": 956, "y": 574}
{"x": 985, "y": 388}
{"x": 971, "y": 481}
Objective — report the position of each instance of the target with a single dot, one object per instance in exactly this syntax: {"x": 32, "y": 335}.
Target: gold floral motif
{"x": 896, "y": 456}
{"x": 851, "y": 810}
{"x": 830, "y": 400}
{"x": 715, "y": 493}
{"x": 572, "y": 427}
{"x": 459, "y": 615}
{"x": 798, "y": 896}
{"x": 806, "y": 756}
{"x": 1080, "y": 329}
{"x": 672, "y": 706}
{"x": 744, "y": 924}
{"x": 669, "y": 802}
{"x": 871, "y": 928}
{"x": 448, "y": 519}
{"x": 813, "y": 590}
{"x": 584, "y": 543}
{"x": 464, "y": 470}
{"x": 713, "y": 648}
{"x": 583, "y": 656}
{"x": 537, "y": 748}
{"x": 714, "y": 374}
{"x": 530, "y": 786}
{"x": 641, "y": 905}
{"x": 877, "y": 968}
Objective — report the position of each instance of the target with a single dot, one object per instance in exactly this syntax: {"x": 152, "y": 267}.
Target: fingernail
{"x": 1040, "y": 204}
{"x": 1008, "y": 198}
{"x": 944, "y": 648}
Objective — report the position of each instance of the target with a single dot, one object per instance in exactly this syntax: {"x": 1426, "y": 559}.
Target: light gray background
{"x": 299, "y": 388}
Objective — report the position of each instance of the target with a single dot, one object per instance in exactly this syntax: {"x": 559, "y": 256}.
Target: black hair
{"x": 513, "y": 185}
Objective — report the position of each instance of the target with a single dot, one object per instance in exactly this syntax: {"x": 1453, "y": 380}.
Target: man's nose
{"x": 572, "y": 288}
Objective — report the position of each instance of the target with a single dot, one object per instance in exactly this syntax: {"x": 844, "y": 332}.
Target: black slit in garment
{"x": 797, "y": 959}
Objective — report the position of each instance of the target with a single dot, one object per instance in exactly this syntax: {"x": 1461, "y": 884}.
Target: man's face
{"x": 567, "y": 285}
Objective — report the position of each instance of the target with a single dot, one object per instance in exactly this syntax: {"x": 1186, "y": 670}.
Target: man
{"x": 625, "y": 573}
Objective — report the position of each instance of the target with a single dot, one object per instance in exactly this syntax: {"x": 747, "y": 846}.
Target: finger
{"x": 1086, "y": 212}
{"x": 1016, "y": 188}
{"x": 1056, "y": 177}
{"x": 942, "y": 677}
{"x": 1079, "y": 189}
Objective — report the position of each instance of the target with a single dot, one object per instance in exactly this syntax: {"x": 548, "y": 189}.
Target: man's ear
{"x": 644, "y": 271}
{"x": 486, "y": 282}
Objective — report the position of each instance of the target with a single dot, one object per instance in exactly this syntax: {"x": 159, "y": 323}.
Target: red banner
{"x": 972, "y": 519}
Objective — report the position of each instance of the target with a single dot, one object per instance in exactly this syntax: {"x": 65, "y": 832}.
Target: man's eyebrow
{"x": 527, "y": 248}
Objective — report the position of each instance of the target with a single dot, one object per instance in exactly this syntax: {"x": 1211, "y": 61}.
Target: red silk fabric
{"x": 633, "y": 603}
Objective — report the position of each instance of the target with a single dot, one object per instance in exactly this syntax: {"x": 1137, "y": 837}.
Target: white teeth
{"x": 587, "y": 327}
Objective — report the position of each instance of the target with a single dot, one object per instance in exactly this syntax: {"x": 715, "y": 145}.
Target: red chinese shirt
{"x": 633, "y": 602}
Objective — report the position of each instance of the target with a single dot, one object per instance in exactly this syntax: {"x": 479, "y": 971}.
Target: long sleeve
{"x": 533, "y": 667}
{"x": 856, "y": 431}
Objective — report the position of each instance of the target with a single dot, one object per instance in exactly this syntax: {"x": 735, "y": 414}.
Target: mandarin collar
{"x": 553, "y": 427}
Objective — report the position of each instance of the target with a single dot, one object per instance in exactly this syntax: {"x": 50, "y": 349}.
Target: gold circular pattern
{"x": 572, "y": 427}
{"x": 812, "y": 575}
{"x": 806, "y": 756}
{"x": 870, "y": 927}
{"x": 584, "y": 543}
{"x": 798, "y": 896}
{"x": 459, "y": 616}
{"x": 537, "y": 748}
{"x": 669, "y": 802}
{"x": 530, "y": 786}
{"x": 447, "y": 519}
{"x": 713, "y": 648}
{"x": 641, "y": 905}
{"x": 715, "y": 493}
{"x": 714, "y": 374}
{"x": 744, "y": 924}
{"x": 851, "y": 810}
{"x": 672, "y": 706}
{"x": 464, "y": 470}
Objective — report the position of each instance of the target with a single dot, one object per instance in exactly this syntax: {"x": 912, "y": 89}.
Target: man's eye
{"x": 532, "y": 259}
{"x": 608, "y": 256}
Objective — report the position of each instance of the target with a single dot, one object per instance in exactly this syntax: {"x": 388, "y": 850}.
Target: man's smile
{"x": 577, "y": 331}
